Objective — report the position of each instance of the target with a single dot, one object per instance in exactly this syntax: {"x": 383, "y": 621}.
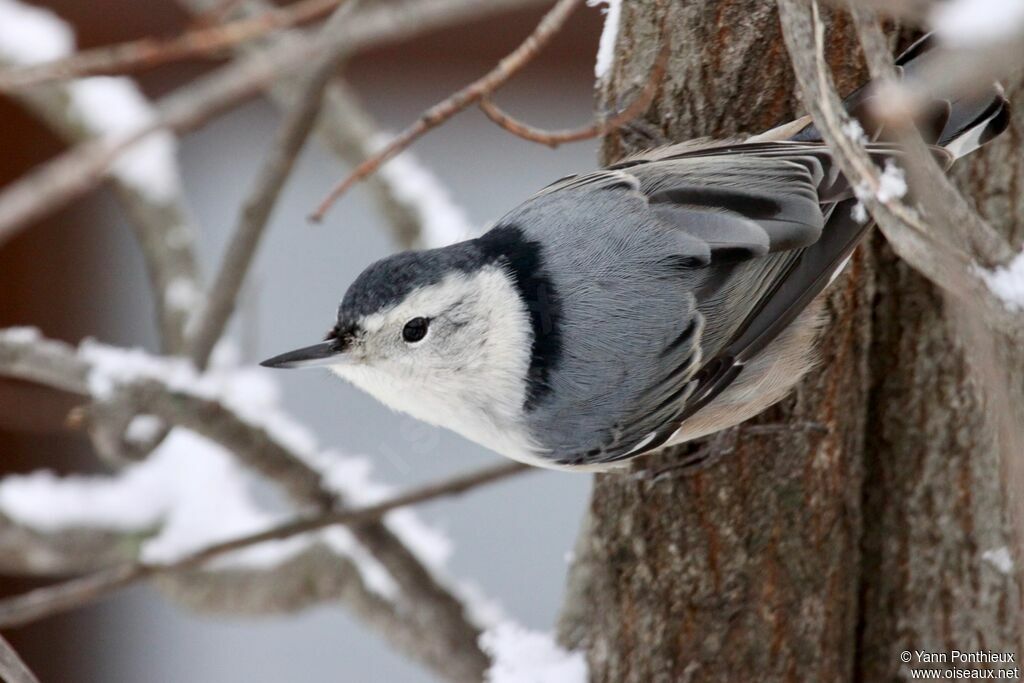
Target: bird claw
{"x": 706, "y": 456}
{"x": 643, "y": 135}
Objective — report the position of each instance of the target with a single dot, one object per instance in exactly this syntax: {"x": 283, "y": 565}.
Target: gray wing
{"x": 758, "y": 230}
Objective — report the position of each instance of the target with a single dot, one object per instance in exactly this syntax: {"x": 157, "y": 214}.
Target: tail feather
{"x": 960, "y": 124}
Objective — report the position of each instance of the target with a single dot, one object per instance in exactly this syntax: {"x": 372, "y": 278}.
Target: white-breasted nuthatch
{"x": 617, "y": 312}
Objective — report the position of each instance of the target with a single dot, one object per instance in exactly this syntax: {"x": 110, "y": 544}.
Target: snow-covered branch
{"x": 229, "y": 425}
{"x": 207, "y": 462}
{"x": 146, "y": 178}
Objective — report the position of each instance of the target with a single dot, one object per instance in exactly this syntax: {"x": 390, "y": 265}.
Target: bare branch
{"x": 223, "y": 295}
{"x": 150, "y": 52}
{"x": 915, "y": 11}
{"x": 30, "y": 552}
{"x": 350, "y": 131}
{"x": 464, "y": 98}
{"x": 914, "y": 240}
{"x": 966, "y": 69}
{"x": 12, "y": 669}
{"x": 50, "y": 600}
{"x": 596, "y": 129}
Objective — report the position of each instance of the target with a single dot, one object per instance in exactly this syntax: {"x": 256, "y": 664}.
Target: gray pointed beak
{"x": 318, "y": 355}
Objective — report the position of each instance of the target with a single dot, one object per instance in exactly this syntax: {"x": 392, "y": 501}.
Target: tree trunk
{"x": 850, "y": 522}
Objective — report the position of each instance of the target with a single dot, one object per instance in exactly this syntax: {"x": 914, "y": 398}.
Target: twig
{"x": 389, "y": 22}
{"x": 598, "y": 128}
{"x": 150, "y": 52}
{"x": 995, "y": 359}
{"x": 347, "y": 128}
{"x": 914, "y": 240}
{"x": 223, "y": 294}
{"x": 30, "y": 552}
{"x": 930, "y": 182}
{"x": 12, "y": 668}
{"x": 466, "y": 97}
{"x": 907, "y": 10}
{"x": 44, "y": 602}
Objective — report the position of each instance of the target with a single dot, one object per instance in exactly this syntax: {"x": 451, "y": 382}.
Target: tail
{"x": 959, "y": 124}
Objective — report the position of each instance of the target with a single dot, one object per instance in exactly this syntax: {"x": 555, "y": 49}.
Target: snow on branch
{"x": 524, "y": 656}
{"x": 32, "y": 35}
{"x": 1007, "y": 283}
{"x": 968, "y": 23}
{"x": 192, "y": 491}
{"x": 105, "y": 106}
{"x": 146, "y": 176}
{"x": 609, "y": 34}
{"x": 441, "y": 220}
{"x": 229, "y": 424}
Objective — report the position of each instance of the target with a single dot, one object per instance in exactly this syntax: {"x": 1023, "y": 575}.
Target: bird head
{"x": 443, "y": 335}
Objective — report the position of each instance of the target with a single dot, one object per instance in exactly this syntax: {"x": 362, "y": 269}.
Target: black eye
{"x": 415, "y": 329}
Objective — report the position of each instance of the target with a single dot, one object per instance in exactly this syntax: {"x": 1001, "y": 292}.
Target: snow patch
{"x": 181, "y": 294}
{"x": 349, "y": 477}
{"x": 974, "y": 23}
{"x": 1007, "y": 282}
{"x": 609, "y": 34}
{"x": 143, "y": 429}
{"x": 443, "y": 221}
{"x": 859, "y": 213}
{"x": 20, "y": 335}
{"x": 483, "y": 610}
{"x": 524, "y": 656}
{"x": 892, "y": 184}
{"x": 116, "y": 108}
{"x": 853, "y": 130}
{"x": 999, "y": 558}
{"x": 31, "y": 35}
{"x": 106, "y": 106}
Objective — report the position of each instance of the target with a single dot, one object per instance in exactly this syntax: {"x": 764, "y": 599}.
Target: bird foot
{"x": 785, "y": 427}
{"x": 706, "y": 456}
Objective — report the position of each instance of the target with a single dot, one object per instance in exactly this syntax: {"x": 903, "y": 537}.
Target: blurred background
{"x": 79, "y": 274}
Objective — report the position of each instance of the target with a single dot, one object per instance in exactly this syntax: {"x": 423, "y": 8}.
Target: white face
{"x": 468, "y": 371}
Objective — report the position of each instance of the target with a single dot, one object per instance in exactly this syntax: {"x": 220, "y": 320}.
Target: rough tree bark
{"x": 805, "y": 554}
